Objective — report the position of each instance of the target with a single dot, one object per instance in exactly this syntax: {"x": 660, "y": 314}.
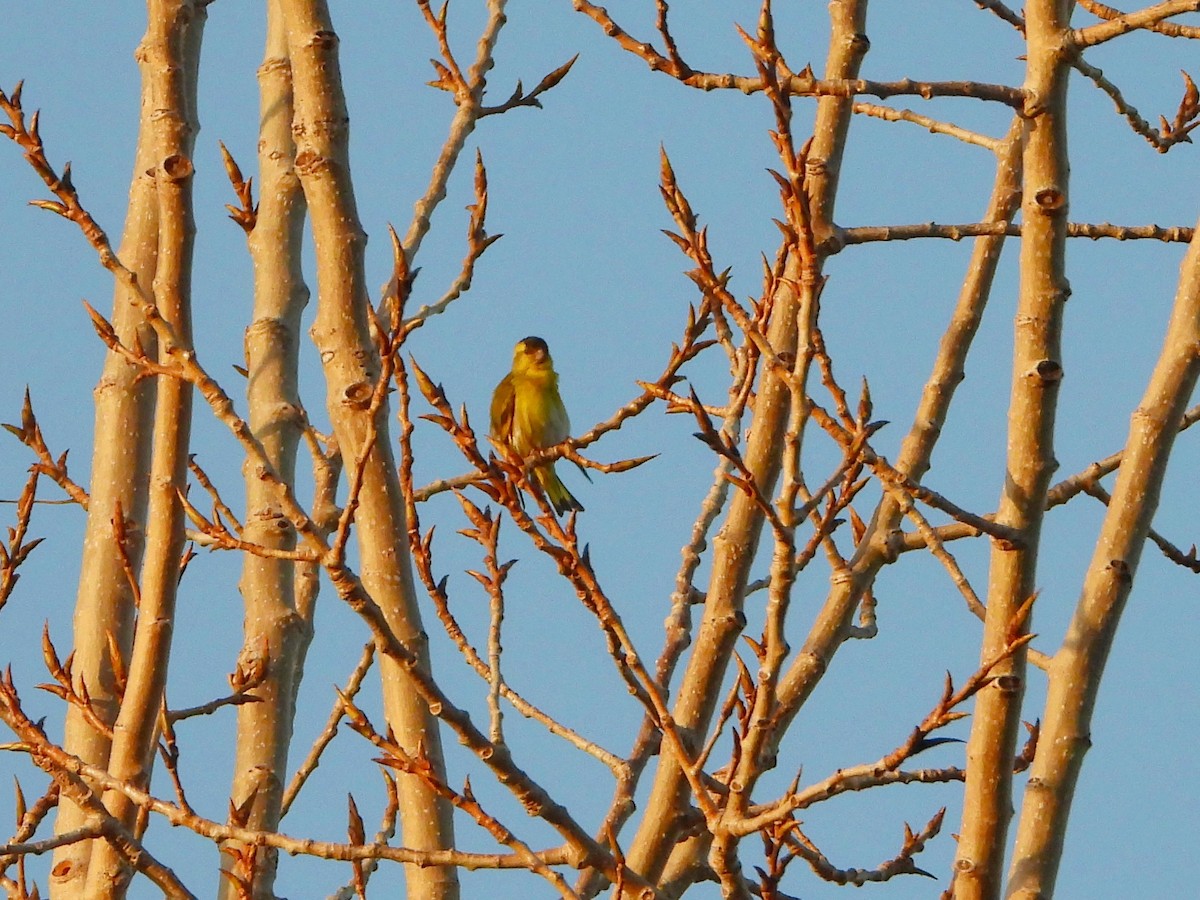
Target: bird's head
{"x": 530, "y": 355}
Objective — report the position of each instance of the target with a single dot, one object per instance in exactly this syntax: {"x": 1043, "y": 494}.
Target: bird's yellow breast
{"x": 539, "y": 417}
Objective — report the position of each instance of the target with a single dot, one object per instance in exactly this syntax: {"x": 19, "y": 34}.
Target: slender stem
{"x": 1037, "y": 373}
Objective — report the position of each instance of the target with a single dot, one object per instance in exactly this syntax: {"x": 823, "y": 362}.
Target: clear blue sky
{"x": 573, "y": 188}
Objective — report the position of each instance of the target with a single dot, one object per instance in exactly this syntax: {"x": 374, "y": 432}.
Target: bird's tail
{"x": 556, "y": 492}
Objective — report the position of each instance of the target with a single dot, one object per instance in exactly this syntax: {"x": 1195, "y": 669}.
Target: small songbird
{"x": 528, "y": 414}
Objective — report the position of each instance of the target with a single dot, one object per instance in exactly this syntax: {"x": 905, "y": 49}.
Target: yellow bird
{"x": 528, "y": 414}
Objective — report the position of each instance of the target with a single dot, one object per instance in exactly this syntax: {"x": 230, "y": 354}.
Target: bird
{"x": 528, "y": 414}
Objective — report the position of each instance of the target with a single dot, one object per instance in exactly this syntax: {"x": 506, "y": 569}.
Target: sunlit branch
{"x": 220, "y": 509}
{"x": 520, "y": 99}
{"x": 423, "y": 558}
{"x": 1170, "y": 551}
{"x": 64, "y": 766}
{"x": 386, "y": 831}
{"x": 397, "y": 758}
{"x": 934, "y": 126}
{"x": 478, "y": 240}
{"x": 561, "y": 545}
{"x": 28, "y": 820}
{"x": 329, "y": 732}
{"x": 15, "y": 551}
{"x": 893, "y": 478}
{"x": 1015, "y": 19}
{"x": 69, "y": 772}
{"x": 1170, "y": 29}
{"x": 1161, "y": 139}
{"x": 237, "y": 698}
{"x": 887, "y": 769}
{"x": 1078, "y": 483}
{"x": 678, "y": 625}
{"x": 797, "y": 85}
{"x": 901, "y": 864}
{"x": 468, "y": 91}
{"x": 64, "y": 686}
{"x": 29, "y": 433}
{"x": 942, "y": 555}
{"x": 351, "y": 590}
{"x": 1143, "y": 18}
{"x": 1174, "y": 234}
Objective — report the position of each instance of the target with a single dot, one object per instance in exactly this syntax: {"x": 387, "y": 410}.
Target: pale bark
{"x": 175, "y": 30}
{"x": 735, "y": 545}
{"x": 831, "y": 627}
{"x": 124, "y": 405}
{"x": 695, "y": 813}
{"x": 169, "y": 55}
{"x": 352, "y": 367}
{"x": 276, "y": 632}
{"x": 875, "y": 550}
{"x": 1037, "y": 372}
{"x": 1078, "y": 667}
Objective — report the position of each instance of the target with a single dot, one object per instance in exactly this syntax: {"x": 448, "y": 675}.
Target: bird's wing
{"x": 503, "y": 402}
{"x": 557, "y": 426}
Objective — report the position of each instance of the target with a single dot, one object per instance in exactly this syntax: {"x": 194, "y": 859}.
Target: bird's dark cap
{"x": 535, "y": 343}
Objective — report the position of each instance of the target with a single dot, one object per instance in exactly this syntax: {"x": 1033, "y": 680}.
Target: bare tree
{"x": 803, "y": 514}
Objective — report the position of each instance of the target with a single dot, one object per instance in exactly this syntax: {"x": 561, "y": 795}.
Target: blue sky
{"x": 573, "y": 188}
